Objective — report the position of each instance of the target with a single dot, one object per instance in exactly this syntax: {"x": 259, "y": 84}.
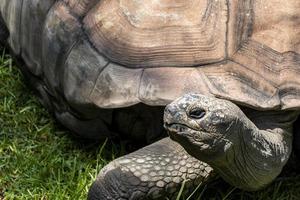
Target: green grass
{"x": 40, "y": 160}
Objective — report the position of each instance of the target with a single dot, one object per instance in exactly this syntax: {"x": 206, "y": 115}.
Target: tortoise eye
{"x": 197, "y": 113}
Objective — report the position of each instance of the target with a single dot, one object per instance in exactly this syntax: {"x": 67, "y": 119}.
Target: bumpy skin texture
{"x": 153, "y": 172}
{"x": 249, "y": 154}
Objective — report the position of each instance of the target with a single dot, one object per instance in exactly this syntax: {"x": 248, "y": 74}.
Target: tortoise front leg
{"x": 247, "y": 150}
{"x": 153, "y": 172}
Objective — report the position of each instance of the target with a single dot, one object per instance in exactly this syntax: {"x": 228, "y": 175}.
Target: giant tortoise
{"x": 107, "y": 68}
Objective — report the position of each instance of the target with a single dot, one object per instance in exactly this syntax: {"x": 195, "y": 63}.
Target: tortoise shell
{"x": 117, "y": 53}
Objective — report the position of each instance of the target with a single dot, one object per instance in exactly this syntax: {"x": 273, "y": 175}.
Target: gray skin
{"x": 153, "y": 172}
{"x": 247, "y": 148}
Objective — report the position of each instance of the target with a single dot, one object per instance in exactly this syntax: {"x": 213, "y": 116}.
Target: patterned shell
{"x": 117, "y": 53}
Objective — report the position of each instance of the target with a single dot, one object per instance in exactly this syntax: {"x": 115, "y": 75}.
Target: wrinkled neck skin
{"x": 256, "y": 157}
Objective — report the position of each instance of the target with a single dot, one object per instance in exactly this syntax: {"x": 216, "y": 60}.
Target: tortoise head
{"x": 203, "y": 125}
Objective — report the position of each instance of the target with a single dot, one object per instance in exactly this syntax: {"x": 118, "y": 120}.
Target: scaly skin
{"x": 153, "y": 172}
{"x": 248, "y": 154}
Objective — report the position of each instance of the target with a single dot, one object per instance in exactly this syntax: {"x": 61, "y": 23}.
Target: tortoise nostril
{"x": 171, "y": 110}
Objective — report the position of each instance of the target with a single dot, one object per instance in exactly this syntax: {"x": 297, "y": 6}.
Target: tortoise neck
{"x": 257, "y": 158}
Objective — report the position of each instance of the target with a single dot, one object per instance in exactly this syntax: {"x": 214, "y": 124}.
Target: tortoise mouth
{"x": 176, "y": 127}
{"x": 178, "y": 130}
{"x": 193, "y": 141}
